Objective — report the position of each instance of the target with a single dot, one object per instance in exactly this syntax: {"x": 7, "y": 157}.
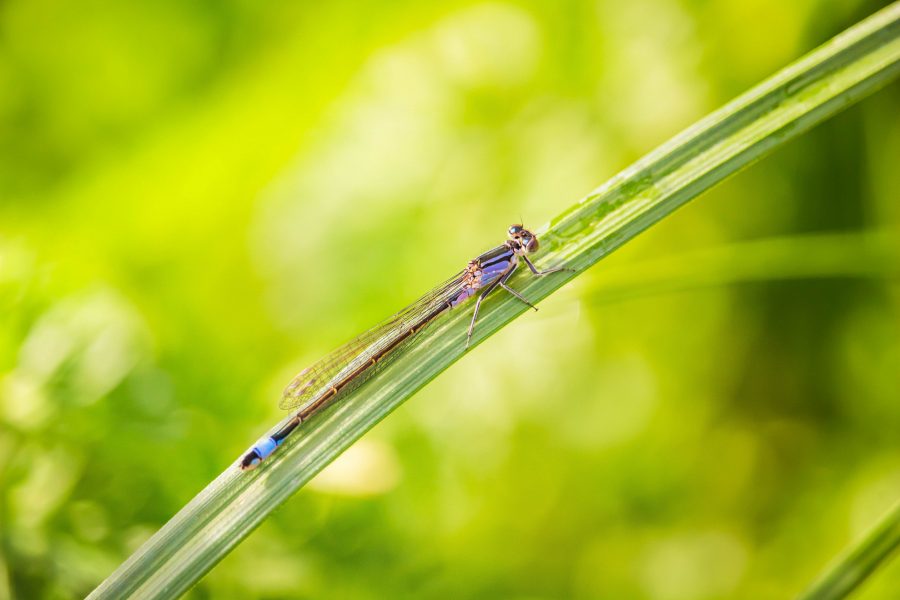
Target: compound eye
{"x": 532, "y": 245}
{"x": 515, "y": 229}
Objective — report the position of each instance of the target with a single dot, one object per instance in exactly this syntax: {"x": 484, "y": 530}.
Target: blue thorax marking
{"x": 493, "y": 272}
{"x": 494, "y": 264}
{"x": 499, "y": 254}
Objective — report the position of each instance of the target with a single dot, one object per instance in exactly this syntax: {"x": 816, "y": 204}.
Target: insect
{"x": 349, "y": 366}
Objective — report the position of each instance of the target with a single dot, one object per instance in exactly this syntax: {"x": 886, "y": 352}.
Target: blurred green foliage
{"x": 198, "y": 199}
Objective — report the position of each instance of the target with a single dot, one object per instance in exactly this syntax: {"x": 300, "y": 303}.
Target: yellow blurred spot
{"x": 693, "y": 566}
{"x": 489, "y": 44}
{"x": 876, "y": 496}
{"x": 367, "y": 468}
{"x": 23, "y": 402}
{"x": 651, "y": 89}
{"x": 50, "y": 478}
{"x": 95, "y": 338}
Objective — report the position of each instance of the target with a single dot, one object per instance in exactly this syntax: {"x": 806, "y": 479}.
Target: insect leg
{"x": 512, "y": 291}
{"x": 481, "y": 297}
{"x": 545, "y": 271}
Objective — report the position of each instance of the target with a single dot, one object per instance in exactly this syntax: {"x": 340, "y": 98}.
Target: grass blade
{"x": 859, "y": 562}
{"x": 845, "y": 69}
{"x": 862, "y": 255}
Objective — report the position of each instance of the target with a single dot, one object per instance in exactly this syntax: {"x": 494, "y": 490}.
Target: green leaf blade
{"x": 844, "y": 70}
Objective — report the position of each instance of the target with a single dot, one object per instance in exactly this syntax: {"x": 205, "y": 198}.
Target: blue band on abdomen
{"x": 265, "y": 446}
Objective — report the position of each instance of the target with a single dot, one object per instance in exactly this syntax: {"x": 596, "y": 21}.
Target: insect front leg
{"x": 535, "y": 270}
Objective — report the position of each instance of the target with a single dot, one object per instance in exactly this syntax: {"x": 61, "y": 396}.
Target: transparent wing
{"x": 318, "y": 378}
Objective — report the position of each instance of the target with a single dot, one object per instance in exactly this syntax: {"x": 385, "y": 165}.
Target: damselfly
{"x": 353, "y": 363}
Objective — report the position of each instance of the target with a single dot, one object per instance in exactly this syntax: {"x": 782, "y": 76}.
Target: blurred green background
{"x": 197, "y": 199}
